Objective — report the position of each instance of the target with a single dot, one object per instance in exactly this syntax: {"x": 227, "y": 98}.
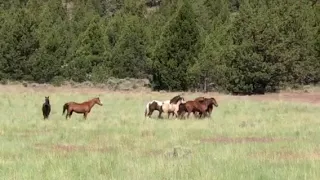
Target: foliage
{"x": 246, "y": 46}
{"x": 176, "y": 50}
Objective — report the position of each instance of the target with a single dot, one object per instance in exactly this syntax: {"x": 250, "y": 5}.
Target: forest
{"x": 239, "y": 46}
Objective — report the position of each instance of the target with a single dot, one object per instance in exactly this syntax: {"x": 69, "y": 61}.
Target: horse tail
{"x": 146, "y": 111}
{"x": 65, "y": 107}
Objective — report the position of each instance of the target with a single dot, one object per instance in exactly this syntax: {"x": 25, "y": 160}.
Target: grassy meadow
{"x": 243, "y": 140}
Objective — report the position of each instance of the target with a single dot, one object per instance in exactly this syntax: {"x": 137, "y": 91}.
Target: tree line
{"x": 240, "y": 46}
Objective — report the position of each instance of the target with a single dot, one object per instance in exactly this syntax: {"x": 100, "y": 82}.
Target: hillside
{"x": 240, "y": 46}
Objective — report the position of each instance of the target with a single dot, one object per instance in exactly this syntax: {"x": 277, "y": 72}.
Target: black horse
{"x": 46, "y": 108}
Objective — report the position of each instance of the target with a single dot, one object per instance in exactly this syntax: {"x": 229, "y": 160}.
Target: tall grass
{"x": 117, "y": 142}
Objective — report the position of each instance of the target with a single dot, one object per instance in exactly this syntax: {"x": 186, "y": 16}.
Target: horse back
{"x": 193, "y": 106}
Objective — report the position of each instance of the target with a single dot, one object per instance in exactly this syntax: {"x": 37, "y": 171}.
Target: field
{"x": 274, "y": 136}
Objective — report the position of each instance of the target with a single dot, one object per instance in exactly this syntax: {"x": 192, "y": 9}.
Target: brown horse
{"x": 80, "y": 108}
{"x": 193, "y": 107}
{"x": 211, "y": 102}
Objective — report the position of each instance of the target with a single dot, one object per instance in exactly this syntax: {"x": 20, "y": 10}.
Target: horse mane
{"x": 175, "y": 99}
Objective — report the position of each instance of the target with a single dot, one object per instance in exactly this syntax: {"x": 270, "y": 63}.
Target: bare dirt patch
{"x": 72, "y": 148}
{"x": 234, "y": 140}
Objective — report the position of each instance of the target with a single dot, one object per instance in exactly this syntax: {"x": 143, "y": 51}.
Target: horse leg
{"x": 159, "y": 116}
{"x": 150, "y": 113}
{"x": 70, "y": 114}
{"x": 195, "y": 114}
{"x": 210, "y": 111}
{"x": 188, "y": 114}
{"x": 176, "y": 113}
{"x": 67, "y": 114}
{"x": 200, "y": 115}
{"x": 85, "y": 115}
{"x": 203, "y": 114}
{"x": 182, "y": 115}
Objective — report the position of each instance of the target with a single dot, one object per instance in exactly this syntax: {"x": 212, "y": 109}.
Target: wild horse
{"x": 80, "y": 108}
{"x": 153, "y": 106}
{"x": 201, "y": 105}
{"x": 172, "y": 106}
{"x": 46, "y": 108}
{"x": 211, "y": 102}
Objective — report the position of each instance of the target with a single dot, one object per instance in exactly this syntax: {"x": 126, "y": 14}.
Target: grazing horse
{"x": 152, "y": 106}
{"x": 80, "y": 108}
{"x": 211, "y": 101}
{"x": 46, "y": 107}
{"x": 172, "y": 106}
{"x": 194, "y": 106}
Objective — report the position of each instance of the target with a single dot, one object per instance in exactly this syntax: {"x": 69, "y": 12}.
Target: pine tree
{"x": 48, "y": 59}
{"x": 129, "y": 55}
{"x": 176, "y": 50}
{"x": 18, "y": 43}
{"x": 89, "y": 52}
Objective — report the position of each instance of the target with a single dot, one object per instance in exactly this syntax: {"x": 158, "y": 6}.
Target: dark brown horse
{"x": 210, "y": 101}
{"x": 46, "y": 108}
{"x": 201, "y": 106}
{"x": 80, "y": 108}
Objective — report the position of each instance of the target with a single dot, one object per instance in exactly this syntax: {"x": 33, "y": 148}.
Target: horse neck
{"x": 207, "y": 103}
{"x": 178, "y": 103}
{"x": 91, "y": 103}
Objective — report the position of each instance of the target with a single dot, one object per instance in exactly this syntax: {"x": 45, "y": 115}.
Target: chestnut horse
{"x": 172, "y": 106}
{"x": 212, "y": 102}
{"x": 152, "y": 106}
{"x": 80, "y": 108}
{"x": 194, "y": 106}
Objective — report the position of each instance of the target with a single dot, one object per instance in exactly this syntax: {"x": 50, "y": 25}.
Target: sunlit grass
{"x": 117, "y": 142}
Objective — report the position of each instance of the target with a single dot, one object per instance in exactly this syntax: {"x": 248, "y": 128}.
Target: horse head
{"x": 46, "y": 100}
{"x": 214, "y": 102}
{"x": 181, "y": 100}
{"x": 97, "y": 101}
{"x": 176, "y": 99}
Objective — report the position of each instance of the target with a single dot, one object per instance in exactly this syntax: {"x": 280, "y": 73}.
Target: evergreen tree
{"x": 89, "y": 52}
{"x": 272, "y": 45}
{"x": 48, "y": 59}
{"x": 129, "y": 55}
{"x": 18, "y": 43}
{"x": 176, "y": 50}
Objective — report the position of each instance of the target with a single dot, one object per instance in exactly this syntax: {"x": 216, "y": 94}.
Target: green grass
{"x": 117, "y": 142}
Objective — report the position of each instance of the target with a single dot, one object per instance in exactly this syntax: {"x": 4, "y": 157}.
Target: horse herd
{"x": 179, "y": 107}
{"x": 176, "y": 106}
